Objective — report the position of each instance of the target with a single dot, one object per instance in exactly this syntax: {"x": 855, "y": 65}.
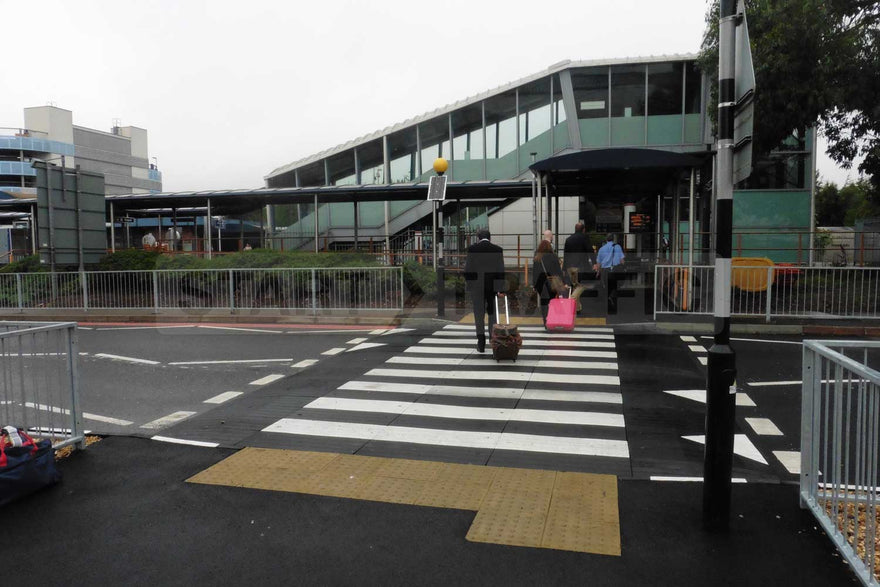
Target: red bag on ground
{"x": 560, "y": 314}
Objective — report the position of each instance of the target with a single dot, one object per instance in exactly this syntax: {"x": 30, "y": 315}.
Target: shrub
{"x": 129, "y": 260}
{"x": 29, "y": 264}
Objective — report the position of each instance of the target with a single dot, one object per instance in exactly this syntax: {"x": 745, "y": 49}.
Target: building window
{"x": 312, "y": 175}
{"x": 534, "y": 110}
{"x": 591, "y": 92}
{"x": 467, "y": 133}
{"x": 692, "y": 89}
{"x": 434, "y": 136}
{"x": 402, "y": 150}
{"x": 664, "y": 88}
{"x": 340, "y": 168}
{"x": 500, "y": 125}
{"x": 628, "y": 90}
{"x": 371, "y": 162}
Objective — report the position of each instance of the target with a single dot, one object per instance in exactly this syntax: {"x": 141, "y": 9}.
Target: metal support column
{"x": 355, "y": 204}
{"x": 316, "y": 223}
{"x": 208, "y": 230}
{"x": 721, "y": 378}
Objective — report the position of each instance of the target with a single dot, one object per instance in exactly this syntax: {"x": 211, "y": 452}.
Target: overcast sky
{"x": 231, "y": 90}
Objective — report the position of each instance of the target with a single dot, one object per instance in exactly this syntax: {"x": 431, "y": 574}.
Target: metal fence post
{"x": 402, "y": 292}
{"x": 231, "y": 294}
{"x": 75, "y": 415}
{"x": 18, "y": 290}
{"x": 155, "y": 292}
{"x": 314, "y": 293}
{"x": 85, "y": 290}
{"x": 769, "y": 293}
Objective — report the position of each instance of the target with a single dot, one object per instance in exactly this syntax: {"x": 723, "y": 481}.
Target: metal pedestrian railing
{"x": 39, "y": 380}
{"x": 840, "y": 420}
{"x": 356, "y": 288}
{"x": 771, "y": 291}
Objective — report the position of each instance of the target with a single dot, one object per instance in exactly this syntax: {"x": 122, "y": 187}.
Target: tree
{"x": 816, "y": 61}
{"x": 843, "y": 206}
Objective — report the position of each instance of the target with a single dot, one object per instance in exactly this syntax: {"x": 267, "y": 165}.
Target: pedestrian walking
{"x": 484, "y": 276}
{"x": 609, "y": 256}
{"x": 547, "y": 277}
{"x": 577, "y": 261}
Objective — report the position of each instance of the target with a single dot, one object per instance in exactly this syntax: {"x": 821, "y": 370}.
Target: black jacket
{"x": 578, "y": 253}
{"x": 484, "y": 269}
{"x": 550, "y": 262}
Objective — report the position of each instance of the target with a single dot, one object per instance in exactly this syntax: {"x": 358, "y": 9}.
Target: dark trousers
{"x": 545, "y": 308}
{"x": 483, "y": 305}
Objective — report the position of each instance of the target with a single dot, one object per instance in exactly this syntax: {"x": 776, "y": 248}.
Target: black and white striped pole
{"x": 721, "y": 378}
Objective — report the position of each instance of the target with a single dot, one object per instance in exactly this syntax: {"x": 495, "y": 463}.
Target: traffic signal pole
{"x": 721, "y": 378}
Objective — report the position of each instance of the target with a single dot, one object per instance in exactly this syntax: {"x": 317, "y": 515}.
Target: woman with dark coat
{"x": 546, "y": 263}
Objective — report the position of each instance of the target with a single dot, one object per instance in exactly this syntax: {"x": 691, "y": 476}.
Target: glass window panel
{"x": 590, "y": 92}
{"x": 628, "y": 90}
{"x": 312, "y": 174}
{"x": 402, "y": 155}
{"x": 434, "y": 136}
{"x": 558, "y": 107}
{"x": 371, "y": 163}
{"x": 500, "y": 125}
{"x": 340, "y": 168}
{"x": 692, "y": 89}
{"x": 467, "y": 133}
{"x": 534, "y": 108}
{"x": 664, "y": 88}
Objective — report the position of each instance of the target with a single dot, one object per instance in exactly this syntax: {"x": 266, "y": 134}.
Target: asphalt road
{"x": 143, "y": 381}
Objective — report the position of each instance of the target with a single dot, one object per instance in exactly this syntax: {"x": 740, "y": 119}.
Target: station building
{"x": 599, "y": 140}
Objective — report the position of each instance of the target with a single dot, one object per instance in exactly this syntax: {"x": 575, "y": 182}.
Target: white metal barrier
{"x": 772, "y": 292}
{"x": 840, "y": 421}
{"x": 355, "y": 288}
{"x": 39, "y": 380}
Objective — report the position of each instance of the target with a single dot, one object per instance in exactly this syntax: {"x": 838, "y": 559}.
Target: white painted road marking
{"x": 599, "y": 397}
{"x": 741, "y": 446}
{"x": 699, "y": 395}
{"x": 759, "y": 340}
{"x": 223, "y": 397}
{"x": 697, "y": 348}
{"x": 797, "y": 382}
{"x": 703, "y": 360}
{"x": 85, "y": 415}
{"x": 168, "y": 420}
{"x": 356, "y": 341}
{"x": 482, "y": 363}
{"x": 365, "y": 345}
{"x": 764, "y": 427}
{"x": 691, "y": 479}
{"x": 184, "y": 441}
{"x": 241, "y": 329}
{"x": 552, "y": 343}
{"x": 334, "y": 351}
{"x": 459, "y": 438}
{"x": 688, "y": 339}
{"x": 790, "y": 459}
{"x": 231, "y": 362}
{"x": 267, "y": 379}
{"x": 305, "y": 363}
{"x": 530, "y": 328}
{"x": 440, "y": 350}
{"x": 469, "y": 413}
{"x": 532, "y": 335}
{"x": 126, "y": 359}
{"x": 496, "y": 376}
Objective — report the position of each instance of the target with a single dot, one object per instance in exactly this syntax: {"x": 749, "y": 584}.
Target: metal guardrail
{"x": 357, "y": 288}
{"x": 840, "y": 421}
{"x": 39, "y": 380}
{"x": 778, "y": 291}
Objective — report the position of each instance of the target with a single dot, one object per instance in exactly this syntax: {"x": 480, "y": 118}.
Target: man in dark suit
{"x": 578, "y": 260}
{"x": 484, "y": 275}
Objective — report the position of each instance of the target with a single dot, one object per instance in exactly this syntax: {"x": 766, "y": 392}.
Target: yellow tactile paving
{"x": 517, "y": 507}
{"x": 537, "y": 321}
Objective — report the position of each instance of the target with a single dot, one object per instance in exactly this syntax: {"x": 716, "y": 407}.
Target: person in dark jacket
{"x": 484, "y": 275}
{"x": 577, "y": 262}
{"x": 546, "y": 263}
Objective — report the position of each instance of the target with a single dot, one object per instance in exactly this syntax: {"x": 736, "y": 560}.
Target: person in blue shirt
{"x": 609, "y": 256}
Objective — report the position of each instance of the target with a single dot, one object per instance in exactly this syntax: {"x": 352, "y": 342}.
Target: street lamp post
{"x": 440, "y": 167}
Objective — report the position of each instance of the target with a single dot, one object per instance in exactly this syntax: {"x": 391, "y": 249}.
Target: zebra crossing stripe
{"x": 470, "y": 328}
{"x": 441, "y": 350}
{"x": 519, "y": 363}
{"x": 597, "y": 397}
{"x": 469, "y": 413}
{"x": 550, "y": 343}
{"x": 498, "y": 376}
{"x": 553, "y": 335}
{"x": 453, "y": 438}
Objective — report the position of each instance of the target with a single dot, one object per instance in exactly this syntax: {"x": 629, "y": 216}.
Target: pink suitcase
{"x": 560, "y": 315}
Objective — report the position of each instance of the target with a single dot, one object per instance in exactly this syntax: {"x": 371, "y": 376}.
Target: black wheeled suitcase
{"x": 505, "y": 339}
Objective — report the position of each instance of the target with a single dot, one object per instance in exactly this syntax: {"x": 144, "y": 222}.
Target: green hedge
{"x": 137, "y": 259}
{"x": 29, "y": 264}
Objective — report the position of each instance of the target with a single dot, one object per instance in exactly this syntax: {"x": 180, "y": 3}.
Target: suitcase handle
{"x": 506, "y": 311}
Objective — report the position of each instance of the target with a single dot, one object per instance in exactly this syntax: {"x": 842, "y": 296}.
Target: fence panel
{"x": 840, "y": 442}
{"x": 39, "y": 380}
{"x": 772, "y": 292}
